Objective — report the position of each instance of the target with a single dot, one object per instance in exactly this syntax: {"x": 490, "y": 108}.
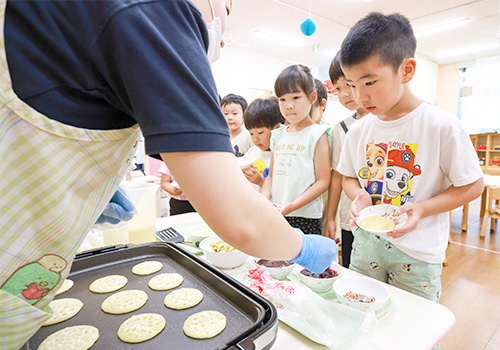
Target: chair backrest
{"x": 493, "y": 195}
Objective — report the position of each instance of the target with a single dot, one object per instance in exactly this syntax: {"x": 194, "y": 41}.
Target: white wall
{"x": 424, "y": 83}
{"x": 237, "y": 71}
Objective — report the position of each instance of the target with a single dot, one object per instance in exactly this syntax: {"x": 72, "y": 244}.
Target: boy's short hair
{"x": 263, "y": 113}
{"x": 389, "y": 37}
{"x": 294, "y": 78}
{"x": 335, "y": 71}
{"x": 233, "y": 98}
{"x": 321, "y": 91}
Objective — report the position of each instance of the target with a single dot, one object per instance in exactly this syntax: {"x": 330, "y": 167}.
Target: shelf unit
{"x": 485, "y": 144}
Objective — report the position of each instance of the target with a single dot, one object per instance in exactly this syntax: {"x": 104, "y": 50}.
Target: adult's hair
{"x": 388, "y": 37}
{"x": 263, "y": 113}
{"x": 321, "y": 91}
{"x": 233, "y": 98}
{"x": 335, "y": 71}
{"x": 294, "y": 79}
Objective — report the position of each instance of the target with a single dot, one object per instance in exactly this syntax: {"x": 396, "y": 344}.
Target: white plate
{"x": 381, "y": 209}
{"x": 245, "y": 162}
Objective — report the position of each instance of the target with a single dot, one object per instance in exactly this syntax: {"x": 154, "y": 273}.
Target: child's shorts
{"x": 378, "y": 258}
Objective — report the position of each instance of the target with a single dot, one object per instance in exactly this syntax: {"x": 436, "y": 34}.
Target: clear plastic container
{"x": 142, "y": 227}
{"x": 116, "y": 235}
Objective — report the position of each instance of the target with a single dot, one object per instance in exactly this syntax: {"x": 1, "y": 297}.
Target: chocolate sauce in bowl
{"x": 329, "y": 273}
{"x": 274, "y": 263}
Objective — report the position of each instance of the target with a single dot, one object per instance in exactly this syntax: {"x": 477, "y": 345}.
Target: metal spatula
{"x": 170, "y": 235}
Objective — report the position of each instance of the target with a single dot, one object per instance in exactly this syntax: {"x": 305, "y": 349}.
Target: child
{"x": 337, "y": 198}
{"x": 430, "y": 164}
{"x": 261, "y": 116}
{"x": 233, "y": 106}
{"x": 318, "y": 108}
{"x": 179, "y": 204}
{"x": 300, "y": 171}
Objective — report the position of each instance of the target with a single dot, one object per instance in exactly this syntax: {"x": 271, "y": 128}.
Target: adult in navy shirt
{"x": 111, "y": 65}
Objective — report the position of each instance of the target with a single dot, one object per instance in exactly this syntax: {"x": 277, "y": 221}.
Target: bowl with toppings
{"x": 221, "y": 254}
{"x": 198, "y": 233}
{"x": 380, "y": 219}
{"x": 362, "y": 293}
{"x": 278, "y": 269}
{"x": 319, "y": 282}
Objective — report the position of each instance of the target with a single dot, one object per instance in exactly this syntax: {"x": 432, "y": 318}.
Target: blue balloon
{"x": 308, "y": 26}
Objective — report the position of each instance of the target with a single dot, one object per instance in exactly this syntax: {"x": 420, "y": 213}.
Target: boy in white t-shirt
{"x": 429, "y": 164}
{"x": 338, "y": 202}
{"x": 261, "y": 116}
{"x": 233, "y": 107}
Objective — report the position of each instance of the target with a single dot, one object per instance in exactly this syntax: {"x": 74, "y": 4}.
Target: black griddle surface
{"x": 244, "y": 314}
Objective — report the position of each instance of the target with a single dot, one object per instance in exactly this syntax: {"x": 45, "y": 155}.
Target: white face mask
{"x": 215, "y": 39}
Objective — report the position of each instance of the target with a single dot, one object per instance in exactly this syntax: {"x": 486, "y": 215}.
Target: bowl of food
{"x": 319, "y": 282}
{"x": 198, "y": 233}
{"x": 362, "y": 293}
{"x": 221, "y": 254}
{"x": 278, "y": 269}
{"x": 380, "y": 219}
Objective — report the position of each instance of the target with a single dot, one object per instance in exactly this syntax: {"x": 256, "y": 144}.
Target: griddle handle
{"x": 102, "y": 250}
{"x": 246, "y": 344}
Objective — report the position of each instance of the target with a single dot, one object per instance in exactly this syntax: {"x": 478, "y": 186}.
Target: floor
{"x": 471, "y": 284}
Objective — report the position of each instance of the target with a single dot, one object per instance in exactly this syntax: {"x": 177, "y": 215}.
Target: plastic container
{"x": 116, "y": 235}
{"x": 142, "y": 227}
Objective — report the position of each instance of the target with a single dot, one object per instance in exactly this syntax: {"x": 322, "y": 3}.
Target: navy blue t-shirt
{"x": 111, "y": 64}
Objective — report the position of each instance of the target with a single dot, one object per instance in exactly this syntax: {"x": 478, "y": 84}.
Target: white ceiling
{"x": 335, "y": 17}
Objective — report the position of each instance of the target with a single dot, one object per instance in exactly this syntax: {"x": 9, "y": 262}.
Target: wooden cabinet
{"x": 487, "y": 147}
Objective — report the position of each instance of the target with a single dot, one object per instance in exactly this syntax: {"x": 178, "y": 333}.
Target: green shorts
{"x": 378, "y": 258}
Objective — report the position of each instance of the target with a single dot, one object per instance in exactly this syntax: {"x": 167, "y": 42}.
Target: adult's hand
{"x": 119, "y": 208}
{"x": 317, "y": 253}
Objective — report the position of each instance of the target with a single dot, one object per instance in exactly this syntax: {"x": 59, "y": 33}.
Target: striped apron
{"x": 55, "y": 182}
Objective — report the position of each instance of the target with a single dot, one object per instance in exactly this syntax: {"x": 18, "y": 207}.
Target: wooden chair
{"x": 491, "y": 212}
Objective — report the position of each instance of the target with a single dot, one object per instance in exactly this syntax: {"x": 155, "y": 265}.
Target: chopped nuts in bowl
{"x": 221, "y": 254}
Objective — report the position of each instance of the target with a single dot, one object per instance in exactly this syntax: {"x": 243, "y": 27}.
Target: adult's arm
{"x": 231, "y": 207}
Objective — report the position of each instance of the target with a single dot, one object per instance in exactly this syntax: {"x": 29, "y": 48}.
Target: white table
{"x": 411, "y": 323}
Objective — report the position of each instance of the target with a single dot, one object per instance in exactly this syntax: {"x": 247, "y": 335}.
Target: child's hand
{"x": 330, "y": 231}
{"x": 253, "y": 175}
{"x": 361, "y": 201}
{"x": 176, "y": 191}
{"x": 414, "y": 212}
{"x": 286, "y": 209}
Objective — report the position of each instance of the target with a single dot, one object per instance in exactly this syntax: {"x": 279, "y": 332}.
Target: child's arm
{"x": 166, "y": 184}
{"x": 453, "y": 197}
{"x": 322, "y": 170}
{"x": 268, "y": 182}
{"x": 240, "y": 215}
{"x": 333, "y": 203}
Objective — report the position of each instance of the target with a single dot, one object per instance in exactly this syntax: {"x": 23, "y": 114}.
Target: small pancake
{"x": 108, "y": 284}
{"x": 63, "y": 309}
{"x": 183, "y": 298}
{"x": 74, "y": 338}
{"x": 204, "y": 325}
{"x": 147, "y": 268}
{"x": 67, "y": 284}
{"x": 165, "y": 281}
{"x": 124, "y": 302}
{"x": 142, "y": 327}
{"x": 377, "y": 223}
